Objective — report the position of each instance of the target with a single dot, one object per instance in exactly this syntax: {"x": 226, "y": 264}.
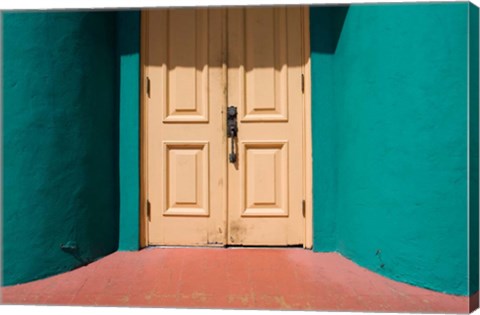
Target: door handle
{"x": 232, "y": 130}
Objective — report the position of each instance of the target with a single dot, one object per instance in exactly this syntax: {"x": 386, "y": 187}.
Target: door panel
{"x": 186, "y": 182}
{"x": 187, "y": 71}
{"x": 263, "y": 40}
{"x": 186, "y": 150}
{"x": 264, "y": 182}
{"x": 265, "y": 185}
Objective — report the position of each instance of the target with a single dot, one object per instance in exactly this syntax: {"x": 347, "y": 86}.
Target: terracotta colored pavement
{"x": 238, "y": 278}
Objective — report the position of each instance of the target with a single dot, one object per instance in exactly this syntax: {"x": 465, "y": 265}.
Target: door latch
{"x": 232, "y": 130}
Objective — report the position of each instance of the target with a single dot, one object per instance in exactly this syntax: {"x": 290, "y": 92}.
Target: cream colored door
{"x": 186, "y": 157}
{"x": 265, "y": 185}
{"x": 197, "y": 60}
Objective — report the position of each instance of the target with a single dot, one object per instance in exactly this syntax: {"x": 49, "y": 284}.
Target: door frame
{"x": 307, "y": 131}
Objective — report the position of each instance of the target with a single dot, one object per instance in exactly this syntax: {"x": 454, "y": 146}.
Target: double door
{"x": 224, "y": 110}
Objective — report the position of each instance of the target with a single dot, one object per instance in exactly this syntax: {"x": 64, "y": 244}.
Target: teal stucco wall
{"x": 325, "y": 27}
{"x": 473, "y": 146}
{"x": 128, "y": 42}
{"x": 60, "y": 142}
{"x": 389, "y": 120}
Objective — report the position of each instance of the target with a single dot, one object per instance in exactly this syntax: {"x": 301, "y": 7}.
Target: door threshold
{"x": 186, "y": 246}
{"x": 215, "y": 246}
{"x": 266, "y": 247}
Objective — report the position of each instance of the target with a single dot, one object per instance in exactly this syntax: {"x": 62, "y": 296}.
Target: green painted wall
{"x": 395, "y": 113}
{"x": 128, "y": 39}
{"x": 60, "y": 151}
{"x": 474, "y": 132}
{"x": 325, "y": 27}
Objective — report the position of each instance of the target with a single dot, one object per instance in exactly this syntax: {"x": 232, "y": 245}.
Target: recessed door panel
{"x": 265, "y": 179}
{"x": 186, "y": 180}
{"x": 186, "y": 54}
{"x": 264, "y": 54}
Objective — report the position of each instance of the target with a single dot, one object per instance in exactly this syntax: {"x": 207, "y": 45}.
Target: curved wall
{"x": 60, "y": 121}
{"x": 390, "y": 139}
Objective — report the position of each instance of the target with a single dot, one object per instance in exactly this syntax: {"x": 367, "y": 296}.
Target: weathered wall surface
{"x": 391, "y": 136}
{"x": 60, "y": 145}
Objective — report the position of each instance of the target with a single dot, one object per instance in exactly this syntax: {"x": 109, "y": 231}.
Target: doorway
{"x": 225, "y": 132}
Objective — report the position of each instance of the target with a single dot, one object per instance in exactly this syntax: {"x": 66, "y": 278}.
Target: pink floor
{"x": 232, "y": 278}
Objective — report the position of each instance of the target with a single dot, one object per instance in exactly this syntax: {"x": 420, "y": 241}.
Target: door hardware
{"x": 149, "y": 207}
{"x": 232, "y": 130}
{"x": 303, "y": 83}
{"x": 148, "y": 87}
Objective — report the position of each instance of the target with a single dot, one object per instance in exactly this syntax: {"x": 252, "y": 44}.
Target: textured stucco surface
{"x": 473, "y": 146}
{"x": 60, "y": 148}
{"x": 395, "y": 111}
{"x": 128, "y": 43}
{"x": 325, "y": 27}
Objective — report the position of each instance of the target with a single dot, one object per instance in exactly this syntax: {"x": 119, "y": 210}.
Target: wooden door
{"x": 265, "y": 185}
{"x": 186, "y": 151}
{"x": 198, "y": 61}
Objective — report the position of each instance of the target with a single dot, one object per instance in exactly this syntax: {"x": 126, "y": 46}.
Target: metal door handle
{"x": 232, "y": 130}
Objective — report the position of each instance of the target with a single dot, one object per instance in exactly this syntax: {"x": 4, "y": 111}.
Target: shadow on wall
{"x": 326, "y": 26}
{"x": 329, "y": 22}
{"x": 60, "y": 206}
